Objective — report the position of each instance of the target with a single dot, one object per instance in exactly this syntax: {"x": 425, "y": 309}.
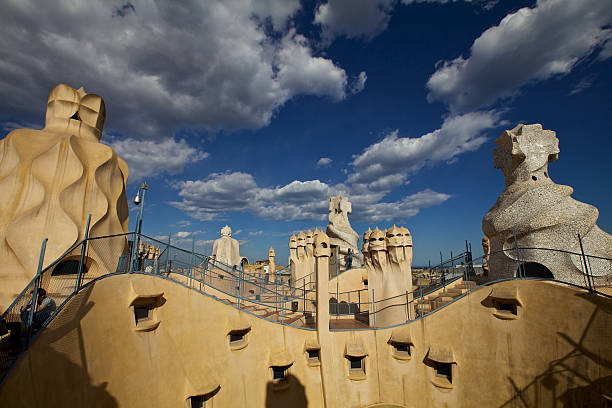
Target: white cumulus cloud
{"x": 389, "y": 161}
{"x": 218, "y": 193}
{"x": 401, "y": 210}
{"x": 529, "y": 45}
{"x": 299, "y": 200}
{"x": 377, "y": 170}
{"x": 358, "y": 83}
{"x": 323, "y": 161}
{"x": 148, "y": 158}
{"x": 354, "y": 18}
{"x": 203, "y": 64}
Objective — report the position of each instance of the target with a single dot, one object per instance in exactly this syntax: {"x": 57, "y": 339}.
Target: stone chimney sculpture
{"x": 388, "y": 258}
{"x": 51, "y": 180}
{"x": 271, "y": 264}
{"x": 293, "y": 257}
{"x": 301, "y": 257}
{"x": 227, "y": 249}
{"x": 543, "y": 214}
{"x": 340, "y": 232}
{"x": 310, "y": 249}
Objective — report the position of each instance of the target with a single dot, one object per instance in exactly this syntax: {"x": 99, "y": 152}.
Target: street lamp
{"x": 137, "y": 201}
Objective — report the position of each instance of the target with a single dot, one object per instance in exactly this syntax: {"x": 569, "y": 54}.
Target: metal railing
{"x": 274, "y": 298}
{"x": 441, "y": 285}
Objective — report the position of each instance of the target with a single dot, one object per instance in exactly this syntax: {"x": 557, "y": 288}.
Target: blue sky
{"x": 252, "y": 113}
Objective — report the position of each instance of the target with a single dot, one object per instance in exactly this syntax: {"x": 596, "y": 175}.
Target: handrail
{"x": 276, "y": 295}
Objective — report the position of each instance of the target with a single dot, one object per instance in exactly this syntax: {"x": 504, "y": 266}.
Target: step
{"x": 454, "y": 292}
{"x": 269, "y": 313}
{"x": 426, "y": 307}
{"x": 464, "y": 285}
{"x": 261, "y": 312}
{"x": 292, "y": 318}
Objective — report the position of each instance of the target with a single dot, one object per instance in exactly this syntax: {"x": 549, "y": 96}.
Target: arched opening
{"x": 536, "y": 270}
{"x": 333, "y": 306}
{"x": 69, "y": 267}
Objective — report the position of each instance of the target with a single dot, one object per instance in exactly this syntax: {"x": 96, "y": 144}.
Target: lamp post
{"x": 138, "y": 200}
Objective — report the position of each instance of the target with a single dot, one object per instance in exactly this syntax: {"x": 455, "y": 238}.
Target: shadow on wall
{"x": 56, "y": 368}
{"x": 568, "y": 380}
{"x": 287, "y": 393}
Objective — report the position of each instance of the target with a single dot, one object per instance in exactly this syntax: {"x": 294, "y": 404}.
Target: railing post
{"x": 349, "y": 302}
{"x": 465, "y": 278}
{"x": 131, "y": 267}
{"x": 337, "y": 295}
{"x": 591, "y": 272}
{"x": 304, "y": 295}
{"x": 168, "y": 261}
{"x": 471, "y": 270}
{"x": 586, "y": 268}
{"x": 421, "y": 289}
{"x": 240, "y": 279}
{"x": 192, "y": 258}
{"x": 204, "y": 269}
{"x": 283, "y": 306}
{"x": 468, "y": 258}
{"x": 81, "y": 263}
{"x": 34, "y": 299}
{"x": 519, "y": 270}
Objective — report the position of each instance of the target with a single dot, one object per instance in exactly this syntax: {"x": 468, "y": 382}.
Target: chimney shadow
{"x": 288, "y": 392}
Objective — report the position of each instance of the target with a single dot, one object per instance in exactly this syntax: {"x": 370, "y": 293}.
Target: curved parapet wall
{"x": 51, "y": 180}
{"x": 543, "y": 214}
{"x": 551, "y": 348}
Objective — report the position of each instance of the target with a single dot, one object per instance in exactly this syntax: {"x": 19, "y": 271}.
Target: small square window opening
{"x": 313, "y": 355}
{"x": 238, "y": 339}
{"x": 400, "y": 350}
{"x": 143, "y": 312}
{"x": 279, "y": 373}
{"x": 197, "y": 402}
{"x": 403, "y": 348}
{"x": 508, "y": 307}
{"x": 444, "y": 370}
{"x": 356, "y": 363}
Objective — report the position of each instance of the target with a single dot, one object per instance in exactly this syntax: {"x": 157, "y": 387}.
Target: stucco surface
{"x": 51, "y": 180}
{"x": 542, "y": 213}
{"x": 555, "y": 352}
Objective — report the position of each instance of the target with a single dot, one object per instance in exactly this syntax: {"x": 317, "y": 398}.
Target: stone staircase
{"x": 431, "y": 302}
{"x": 442, "y": 297}
{"x": 299, "y": 319}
